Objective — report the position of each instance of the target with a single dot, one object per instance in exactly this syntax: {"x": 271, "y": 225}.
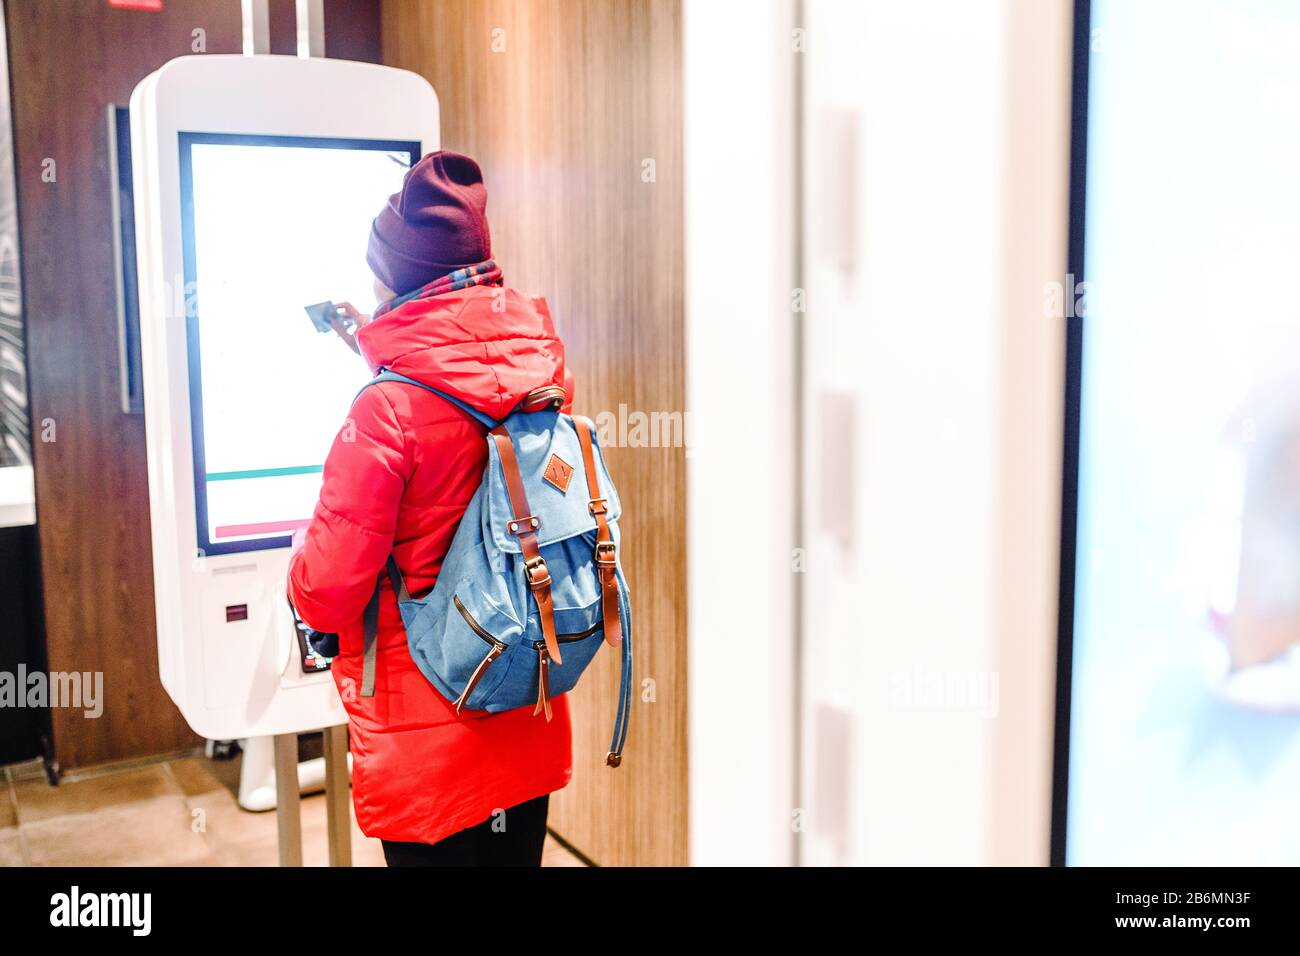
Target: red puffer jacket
{"x": 399, "y": 477}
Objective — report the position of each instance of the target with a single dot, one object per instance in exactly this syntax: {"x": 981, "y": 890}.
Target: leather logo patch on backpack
{"x": 559, "y": 473}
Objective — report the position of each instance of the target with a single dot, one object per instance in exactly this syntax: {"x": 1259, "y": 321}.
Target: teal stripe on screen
{"x": 265, "y": 472}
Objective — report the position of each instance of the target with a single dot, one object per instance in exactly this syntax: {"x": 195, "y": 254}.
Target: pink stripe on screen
{"x": 260, "y": 527}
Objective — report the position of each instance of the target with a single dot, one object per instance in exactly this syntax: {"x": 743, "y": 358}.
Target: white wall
{"x": 936, "y": 183}
{"x": 905, "y": 333}
{"x": 930, "y": 628}
{"x": 740, "y": 508}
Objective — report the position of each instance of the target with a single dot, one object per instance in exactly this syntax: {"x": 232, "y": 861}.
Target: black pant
{"x": 512, "y": 838}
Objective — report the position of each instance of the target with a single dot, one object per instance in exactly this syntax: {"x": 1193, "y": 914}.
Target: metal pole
{"x": 311, "y": 28}
{"x": 257, "y": 27}
{"x": 288, "y": 801}
{"x": 337, "y": 795}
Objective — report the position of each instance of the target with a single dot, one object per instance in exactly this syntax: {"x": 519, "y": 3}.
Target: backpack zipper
{"x": 570, "y": 638}
{"x": 486, "y": 635}
{"x": 475, "y": 626}
{"x": 495, "y": 649}
{"x": 543, "y": 680}
{"x": 544, "y": 667}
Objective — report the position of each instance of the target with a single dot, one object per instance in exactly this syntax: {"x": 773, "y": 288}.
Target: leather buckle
{"x": 603, "y": 547}
{"x": 529, "y": 522}
{"x": 591, "y": 506}
{"x": 535, "y": 564}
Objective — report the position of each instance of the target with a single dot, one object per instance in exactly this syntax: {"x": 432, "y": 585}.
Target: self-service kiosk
{"x": 256, "y": 179}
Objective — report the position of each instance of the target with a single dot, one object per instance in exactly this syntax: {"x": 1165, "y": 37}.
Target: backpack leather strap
{"x": 524, "y": 526}
{"x": 606, "y": 552}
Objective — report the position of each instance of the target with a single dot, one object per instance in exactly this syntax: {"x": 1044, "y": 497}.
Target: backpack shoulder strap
{"x": 370, "y": 618}
{"x": 547, "y": 397}
{"x": 370, "y": 626}
{"x": 388, "y": 375}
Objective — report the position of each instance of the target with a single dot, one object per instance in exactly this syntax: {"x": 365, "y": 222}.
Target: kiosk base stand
{"x": 257, "y": 775}
{"x": 338, "y": 796}
{"x": 288, "y": 798}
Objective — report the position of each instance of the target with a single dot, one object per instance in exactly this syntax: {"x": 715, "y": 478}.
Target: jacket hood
{"x": 489, "y": 358}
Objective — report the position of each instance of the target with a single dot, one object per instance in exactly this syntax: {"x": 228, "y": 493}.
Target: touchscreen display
{"x": 271, "y": 225}
{"x": 1185, "y": 709}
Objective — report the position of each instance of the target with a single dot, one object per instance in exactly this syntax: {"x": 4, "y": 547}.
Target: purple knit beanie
{"x": 435, "y": 225}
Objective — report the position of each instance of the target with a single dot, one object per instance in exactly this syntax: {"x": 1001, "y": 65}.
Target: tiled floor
{"x": 172, "y": 812}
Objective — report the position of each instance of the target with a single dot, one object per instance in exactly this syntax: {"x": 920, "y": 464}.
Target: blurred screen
{"x": 272, "y": 224}
{"x": 1185, "y": 710}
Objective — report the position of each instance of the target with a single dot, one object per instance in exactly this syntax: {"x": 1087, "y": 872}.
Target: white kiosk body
{"x": 256, "y": 178}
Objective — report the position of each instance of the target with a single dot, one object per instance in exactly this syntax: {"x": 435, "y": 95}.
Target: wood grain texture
{"x": 562, "y": 120}
{"x": 352, "y": 30}
{"x": 70, "y": 59}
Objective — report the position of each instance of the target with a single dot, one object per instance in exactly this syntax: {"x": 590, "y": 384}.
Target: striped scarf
{"x": 481, "y": 273}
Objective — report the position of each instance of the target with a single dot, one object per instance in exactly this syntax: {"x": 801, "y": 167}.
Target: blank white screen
{"x": 277, "y": 227}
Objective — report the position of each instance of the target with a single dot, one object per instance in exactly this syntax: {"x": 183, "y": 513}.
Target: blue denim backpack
{"x": 531, "y": 585}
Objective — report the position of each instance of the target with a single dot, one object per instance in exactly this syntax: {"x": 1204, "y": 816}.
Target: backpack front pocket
{"x": 494, "y": 651}
{"x": 525, "y": 675}
{"x": 465, "y": 650}
{"x": 580, "y": 632}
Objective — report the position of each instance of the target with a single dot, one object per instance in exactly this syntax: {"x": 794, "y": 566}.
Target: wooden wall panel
{"x": 562, "y": 119}
{"x": 69, "y": 60}
{"x": 352, "y": 30}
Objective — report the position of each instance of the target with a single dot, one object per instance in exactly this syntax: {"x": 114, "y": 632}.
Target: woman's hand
{"x": 353, "y": 316}
{"x": 347, "y": 326}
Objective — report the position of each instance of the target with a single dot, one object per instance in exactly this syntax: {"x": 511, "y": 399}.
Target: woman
{"x": 435, "y": 787}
